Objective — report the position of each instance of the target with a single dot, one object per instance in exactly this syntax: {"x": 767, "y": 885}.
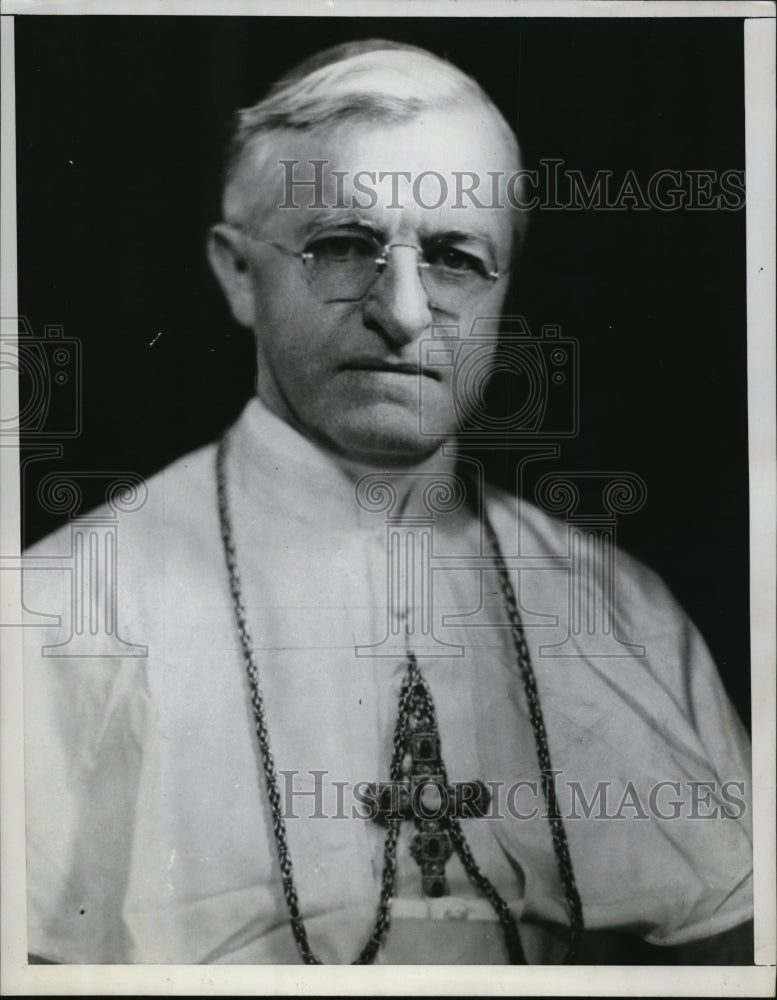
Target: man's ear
{"x": 229, "y": 264}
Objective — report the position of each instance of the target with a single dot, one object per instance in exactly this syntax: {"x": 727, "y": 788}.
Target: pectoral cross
{"x": 421, "y": 792}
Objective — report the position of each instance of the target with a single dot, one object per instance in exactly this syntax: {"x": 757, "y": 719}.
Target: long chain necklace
{"x": 413, "y": 686}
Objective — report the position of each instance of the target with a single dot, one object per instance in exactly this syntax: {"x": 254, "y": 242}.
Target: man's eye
{"x": 452, "y": 259}
{"x": 337, "y": 249}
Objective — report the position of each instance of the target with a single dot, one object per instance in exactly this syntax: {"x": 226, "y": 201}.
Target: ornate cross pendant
{"x": 422, "y": 792}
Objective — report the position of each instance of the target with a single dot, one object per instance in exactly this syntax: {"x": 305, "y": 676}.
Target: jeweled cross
{"x": 422, "y": 793}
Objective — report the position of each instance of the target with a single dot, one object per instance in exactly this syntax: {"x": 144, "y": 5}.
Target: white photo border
{"x": 19, "y": 978}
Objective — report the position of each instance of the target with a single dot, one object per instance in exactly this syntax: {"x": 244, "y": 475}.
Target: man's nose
{"x": 398, "y": 304}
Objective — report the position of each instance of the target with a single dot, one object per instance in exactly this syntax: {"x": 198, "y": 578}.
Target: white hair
{"x": 371, "y": 81}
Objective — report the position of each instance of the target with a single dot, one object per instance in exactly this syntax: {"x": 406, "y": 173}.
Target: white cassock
{"x": 150, "y": 837}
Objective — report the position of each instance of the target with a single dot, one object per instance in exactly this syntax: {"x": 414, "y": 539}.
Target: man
{"x": 364, "y": 729}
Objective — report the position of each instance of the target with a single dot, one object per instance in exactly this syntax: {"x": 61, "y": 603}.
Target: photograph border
{"x": 18, "y": 978}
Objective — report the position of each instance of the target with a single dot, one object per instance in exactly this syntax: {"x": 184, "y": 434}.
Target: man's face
{"x": 350, "y": 374}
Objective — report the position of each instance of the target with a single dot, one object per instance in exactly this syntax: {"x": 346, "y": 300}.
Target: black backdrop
{"x": 121, "y": 123}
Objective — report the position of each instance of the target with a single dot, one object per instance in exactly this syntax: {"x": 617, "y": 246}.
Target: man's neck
{"x": 400, "y": 468}
{"x": 303, "y": 473}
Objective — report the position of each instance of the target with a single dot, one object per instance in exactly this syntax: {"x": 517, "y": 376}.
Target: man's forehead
{"x": 384, "y": 223}
{"x": 463, "y": 137}
{"x": 443, "y": 168}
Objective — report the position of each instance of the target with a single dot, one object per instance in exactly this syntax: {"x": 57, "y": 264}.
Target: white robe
{"x": 149, "y": 831}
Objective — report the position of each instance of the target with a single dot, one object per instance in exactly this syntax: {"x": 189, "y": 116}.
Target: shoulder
{"x": 527, "y": 531}
{"x": 621, "y": 625}
{"x": 146, "y": 542}
{"x": 170, "y": 499}
{"x": 616, "y": 617}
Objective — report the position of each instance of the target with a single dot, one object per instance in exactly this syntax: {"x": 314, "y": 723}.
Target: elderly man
{"x": 361, "y": 728}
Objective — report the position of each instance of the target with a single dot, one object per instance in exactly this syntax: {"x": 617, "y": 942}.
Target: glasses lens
{"x": 342, "y": 267}
{"x": 454, "y": 276}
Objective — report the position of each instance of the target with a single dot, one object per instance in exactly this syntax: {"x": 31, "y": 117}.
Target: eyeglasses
{"x": 343, "y": 266}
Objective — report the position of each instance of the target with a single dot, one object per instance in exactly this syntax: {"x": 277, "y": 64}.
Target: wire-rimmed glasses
{"x": 342, "y": 266}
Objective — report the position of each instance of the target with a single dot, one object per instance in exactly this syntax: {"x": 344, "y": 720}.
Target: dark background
{"x": 121, "y": 123}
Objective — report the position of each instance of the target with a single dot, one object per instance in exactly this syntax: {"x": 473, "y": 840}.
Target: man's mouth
{"x": 392, "y": 367}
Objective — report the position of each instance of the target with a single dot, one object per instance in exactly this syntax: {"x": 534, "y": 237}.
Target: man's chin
{"x": 387, "y": 440}
{"x": 389, "y": 453}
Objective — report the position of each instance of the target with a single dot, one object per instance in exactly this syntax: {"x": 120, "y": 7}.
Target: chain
{"x": 257, "y": 702}
{"x": 383, "y": 919}
{"x": 412, "y": 678}
{"x": 558, "y": 833}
